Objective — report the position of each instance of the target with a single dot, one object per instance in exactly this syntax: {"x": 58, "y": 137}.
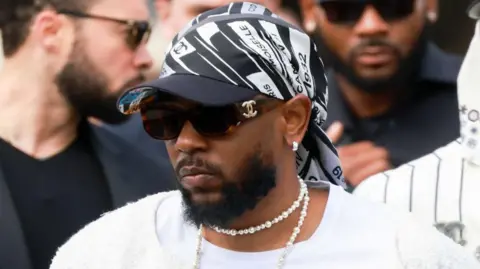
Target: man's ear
{"x": 296, "y": 113}
{"x": 432, "y": 10}
{"x": 55, "y": 32}
{"x": 163, "y": 8}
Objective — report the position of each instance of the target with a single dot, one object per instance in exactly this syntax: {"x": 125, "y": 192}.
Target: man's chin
{"x": 206, "y": 198}
{"x": 370, "y": 80}
{"x": 108, "y": 116}
{"x": 376, "y": 73}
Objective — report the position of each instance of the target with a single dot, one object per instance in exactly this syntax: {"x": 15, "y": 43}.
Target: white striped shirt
{"x": 441, "y": 188}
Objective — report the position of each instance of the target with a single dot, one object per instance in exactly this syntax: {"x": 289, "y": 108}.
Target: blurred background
{"x": 452, "y": 21}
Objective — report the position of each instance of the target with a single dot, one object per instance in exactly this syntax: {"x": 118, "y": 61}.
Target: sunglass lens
{"x": 139, "y": 33}
{"x": 162, "y": 124}
{"x": 215, "y": 121}
{"x": 395, "y": 9}
{"x": 343, "y": 11}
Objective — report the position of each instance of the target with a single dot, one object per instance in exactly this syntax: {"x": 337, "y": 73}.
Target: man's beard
{"x": 86, "y": 88}
{"x": 407, "y": 72}
{"x": 253, "y": 182}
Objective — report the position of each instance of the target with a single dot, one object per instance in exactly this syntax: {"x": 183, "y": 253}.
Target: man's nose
{"x": 371, "y": 24}
{"x": 189, "y": 140}
{"x": 143, "y": 60}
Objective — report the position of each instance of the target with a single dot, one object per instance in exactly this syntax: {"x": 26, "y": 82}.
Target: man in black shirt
{"x": 66, "y": 61}
{"x": 392, "y": 92}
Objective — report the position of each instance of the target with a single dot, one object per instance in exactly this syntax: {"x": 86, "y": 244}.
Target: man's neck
{"x": 363, "y": 104}
{"x": 277, "y": 201}
{"x": 34, "y": 117}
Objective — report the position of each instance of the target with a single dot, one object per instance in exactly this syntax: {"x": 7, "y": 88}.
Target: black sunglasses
{"x": 166, "y": 123}
{"x": 138, "y": 32}
{"x": 349, "y": 12}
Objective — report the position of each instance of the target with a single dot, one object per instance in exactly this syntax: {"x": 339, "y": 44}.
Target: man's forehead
{"x": 122, "y": 9}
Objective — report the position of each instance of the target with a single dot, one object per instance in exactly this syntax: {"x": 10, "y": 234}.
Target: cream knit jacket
{"x": 127, "y": 239}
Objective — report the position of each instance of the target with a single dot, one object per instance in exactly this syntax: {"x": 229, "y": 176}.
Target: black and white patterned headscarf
{"x": 245, "y": 45}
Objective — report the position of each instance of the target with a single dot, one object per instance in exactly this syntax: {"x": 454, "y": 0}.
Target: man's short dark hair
{"x": 16, "y": 17}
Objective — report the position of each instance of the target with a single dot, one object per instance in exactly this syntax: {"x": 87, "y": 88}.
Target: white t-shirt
{"x": 440, "y": 189}
{"x": 354, "y": 234}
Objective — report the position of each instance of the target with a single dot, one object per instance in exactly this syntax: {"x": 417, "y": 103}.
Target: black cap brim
{"x": 473, "y": 10}
{"x": 199, "y": 89}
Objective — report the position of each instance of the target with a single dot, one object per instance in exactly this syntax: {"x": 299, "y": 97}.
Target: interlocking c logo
{"x": 249, "y": 106}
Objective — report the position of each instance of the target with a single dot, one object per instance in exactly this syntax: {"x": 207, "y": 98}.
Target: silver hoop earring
{"x": 294, "y": 146}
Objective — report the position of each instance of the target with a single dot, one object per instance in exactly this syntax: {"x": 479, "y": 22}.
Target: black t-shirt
{"x": 56, "y": 197}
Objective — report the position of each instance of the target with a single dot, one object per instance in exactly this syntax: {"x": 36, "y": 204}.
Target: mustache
{"x": 374, "y": 42}
{"x": 134, "y": 81}
{"x": 189, "y": 164}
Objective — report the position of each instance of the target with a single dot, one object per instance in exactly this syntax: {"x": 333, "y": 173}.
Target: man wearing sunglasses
{"x": 240, "y": 103}
{"x": 442, "y": 188}
{"x": 171, "y": 16}
{"x": 66, "y": 60}
{"x": 389, "y": 84}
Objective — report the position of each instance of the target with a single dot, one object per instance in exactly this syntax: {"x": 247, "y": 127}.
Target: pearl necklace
{"x": 288, "y": 246}
{"x": 268, "y": 224}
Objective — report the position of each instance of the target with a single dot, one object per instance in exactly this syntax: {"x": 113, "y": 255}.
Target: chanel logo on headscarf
{"x": 454, "y": 230}
{"x": 180, "y": 47}
{"x": 249, "y": 106}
